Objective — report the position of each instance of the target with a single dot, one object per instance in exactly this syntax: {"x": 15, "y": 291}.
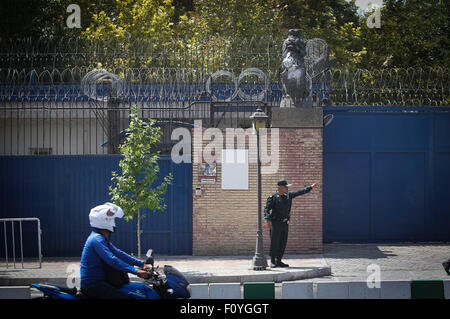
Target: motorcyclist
{"x": 100, "y": 256}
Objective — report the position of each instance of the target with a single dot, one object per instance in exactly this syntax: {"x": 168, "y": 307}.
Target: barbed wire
{"x": 180, "y": 71}
{"x": 208, "y": 54}
{"x": 402, "y": 87}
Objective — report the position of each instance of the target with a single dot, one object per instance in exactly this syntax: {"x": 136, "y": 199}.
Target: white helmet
{"x": 102, "y": 216}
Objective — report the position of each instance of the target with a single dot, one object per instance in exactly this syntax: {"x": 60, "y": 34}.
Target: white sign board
{"x": 234, "y": 169}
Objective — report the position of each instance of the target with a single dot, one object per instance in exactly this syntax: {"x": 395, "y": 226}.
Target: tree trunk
{"x": 139, "y": 233}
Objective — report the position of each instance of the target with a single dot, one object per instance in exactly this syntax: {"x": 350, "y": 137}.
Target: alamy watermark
{"x": 209, "y": 143}
{"x": 374, "y": 279}
{"x": 374, "y": 20}
{"x": 73, "y": 275}
{"x": 74, "y": 19}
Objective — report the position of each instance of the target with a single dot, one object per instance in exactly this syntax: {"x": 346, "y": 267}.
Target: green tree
{"x": 134, "y": 190}
{"x": 48, "y": 18}
{"x": 133, "y": 20}
{"x": 335, "y": 21}
{"x": 233, "y": 18}
{"x": 131, "y": 26}
{"x": 30, "y": 18}
{"x": 413, "y": 33}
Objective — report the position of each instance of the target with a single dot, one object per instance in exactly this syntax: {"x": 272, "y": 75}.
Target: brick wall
{"x": 225, "y": 221}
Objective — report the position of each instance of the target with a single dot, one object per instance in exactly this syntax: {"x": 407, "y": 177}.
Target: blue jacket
{"x": 97, "y": 250}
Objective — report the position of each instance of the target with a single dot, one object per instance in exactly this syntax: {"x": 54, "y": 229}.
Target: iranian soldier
{"x": 277, "y": 214}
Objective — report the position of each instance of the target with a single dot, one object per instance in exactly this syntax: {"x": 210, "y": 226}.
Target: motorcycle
{"x": 171, "y": 284}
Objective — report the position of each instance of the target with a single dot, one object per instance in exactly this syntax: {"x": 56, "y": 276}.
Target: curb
{"x": 265, "y": 276}
{"x": 16, "y": 292}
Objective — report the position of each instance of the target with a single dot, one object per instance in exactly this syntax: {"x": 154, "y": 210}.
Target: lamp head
{"x": 259, "y": 119}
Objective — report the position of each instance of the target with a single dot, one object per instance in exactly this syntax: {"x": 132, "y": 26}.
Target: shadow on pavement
{"x": 369, "y": 251}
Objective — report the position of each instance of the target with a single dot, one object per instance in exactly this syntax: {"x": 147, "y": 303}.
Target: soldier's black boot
{"x": 446, "y": 266}
{"x": 281, "y": 264}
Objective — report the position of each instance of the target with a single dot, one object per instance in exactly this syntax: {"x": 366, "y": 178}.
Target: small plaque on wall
{"x": 207, "y": 180}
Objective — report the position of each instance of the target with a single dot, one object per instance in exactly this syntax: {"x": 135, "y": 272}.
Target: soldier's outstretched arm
{"x": 302, "y": 191}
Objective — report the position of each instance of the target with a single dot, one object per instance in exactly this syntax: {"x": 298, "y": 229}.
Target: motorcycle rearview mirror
{"x": 149, "y": 260}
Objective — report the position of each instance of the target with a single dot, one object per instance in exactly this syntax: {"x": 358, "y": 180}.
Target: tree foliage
{"x": 134, "y": 189}
{"x": 413, "y": 32}
{"x": 133, "y": 19}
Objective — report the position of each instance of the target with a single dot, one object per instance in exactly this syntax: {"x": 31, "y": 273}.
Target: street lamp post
{"x": 259, "y": 262}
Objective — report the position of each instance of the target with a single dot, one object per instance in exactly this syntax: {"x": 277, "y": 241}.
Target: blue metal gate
{"x": 387, "y": 174}
{"x": 61, "y": 190}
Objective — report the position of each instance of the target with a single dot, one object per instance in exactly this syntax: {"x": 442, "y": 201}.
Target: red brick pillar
{"x": 301, "y": 165}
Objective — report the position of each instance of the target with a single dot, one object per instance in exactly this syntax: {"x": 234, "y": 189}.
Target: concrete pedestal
{"x": 284, "y": 117}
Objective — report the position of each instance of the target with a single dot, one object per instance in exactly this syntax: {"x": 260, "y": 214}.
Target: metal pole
{"x": 13, "y": 244}
{"x": 6, "y": 244}
{"x": 259, "y": 261}
{"x": 113, "y": 124}
{"x": 20, "y": 220}
{"x": 39, "y": 242}
{"x": 21, "y": 244}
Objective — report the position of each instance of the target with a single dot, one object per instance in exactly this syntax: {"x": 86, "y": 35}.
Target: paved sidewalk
{"x": 196, "y": 269}
{"x": 403, "y": 261}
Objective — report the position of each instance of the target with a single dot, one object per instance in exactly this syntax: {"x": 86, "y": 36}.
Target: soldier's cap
{"x": 283, "y": 182}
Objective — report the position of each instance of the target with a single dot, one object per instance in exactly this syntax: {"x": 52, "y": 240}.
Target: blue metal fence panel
{"x": 61, "y": 190}
{"x": 386, "y": 175}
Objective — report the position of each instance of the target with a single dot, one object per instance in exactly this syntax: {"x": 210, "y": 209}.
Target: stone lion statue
{"x": 304, "y": 62}
{"x": 294, "y": 78}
